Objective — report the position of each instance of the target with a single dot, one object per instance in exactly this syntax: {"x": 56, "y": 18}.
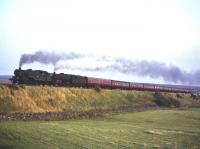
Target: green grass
{"x": 157, "y": 128}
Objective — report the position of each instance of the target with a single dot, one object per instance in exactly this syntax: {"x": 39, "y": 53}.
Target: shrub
{"x": 195, "y": 96}
{"x": 178, "y": 95}
{"x": 97, "y": 89}
{"x": 162, "y": 100}
{"x": 174, "y": 102}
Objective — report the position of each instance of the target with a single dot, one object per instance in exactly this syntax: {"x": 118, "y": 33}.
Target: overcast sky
{"x": 165, "y": 31}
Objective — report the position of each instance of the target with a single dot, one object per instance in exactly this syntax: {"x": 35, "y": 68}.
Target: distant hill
{"x": 4, "y": 79}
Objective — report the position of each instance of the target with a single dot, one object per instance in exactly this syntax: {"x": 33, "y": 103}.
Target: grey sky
{"x": 166, "y": 31}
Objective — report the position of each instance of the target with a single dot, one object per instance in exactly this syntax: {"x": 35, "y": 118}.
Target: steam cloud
{"x": 75, "y": 61}
{"x": 46, "y": 57}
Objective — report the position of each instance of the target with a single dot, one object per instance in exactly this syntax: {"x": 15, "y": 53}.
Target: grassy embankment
{"x": 54, "y": 99}
{"x": 179, "y": 129}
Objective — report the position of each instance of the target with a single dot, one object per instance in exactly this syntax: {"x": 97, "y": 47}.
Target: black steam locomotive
{"x": 39, "y": 77}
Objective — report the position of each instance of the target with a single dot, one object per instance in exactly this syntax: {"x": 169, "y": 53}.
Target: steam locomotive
{"x": 40, "y": 77}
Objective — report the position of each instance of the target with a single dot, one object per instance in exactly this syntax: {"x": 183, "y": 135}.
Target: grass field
{"x": 150, "y": 129}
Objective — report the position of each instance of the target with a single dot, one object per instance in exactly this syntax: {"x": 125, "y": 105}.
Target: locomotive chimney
{"x": 19, "y": 67}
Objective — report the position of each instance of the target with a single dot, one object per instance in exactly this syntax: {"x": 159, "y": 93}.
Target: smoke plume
{"x": 152, "y": 69}
{"x": 46, "y": 57}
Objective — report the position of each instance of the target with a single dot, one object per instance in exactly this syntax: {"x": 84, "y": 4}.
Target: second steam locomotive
{"x": 39, "y": 77}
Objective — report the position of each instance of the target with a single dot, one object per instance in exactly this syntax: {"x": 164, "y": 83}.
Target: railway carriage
{"x": 149, "y": 87}
{"x": 136, "y": 86}
{"x": 104, "y": 83}
{"x": 120, "y": 85}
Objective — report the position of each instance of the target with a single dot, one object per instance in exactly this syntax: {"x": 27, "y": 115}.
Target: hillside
{"x": 4, "y": 79}
{"x": 57, "y": 99}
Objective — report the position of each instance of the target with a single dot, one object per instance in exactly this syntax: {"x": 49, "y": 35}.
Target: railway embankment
{"x": 18, "y": 102}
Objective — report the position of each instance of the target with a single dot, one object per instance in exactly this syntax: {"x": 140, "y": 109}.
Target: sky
{"x": 163, "y": 31}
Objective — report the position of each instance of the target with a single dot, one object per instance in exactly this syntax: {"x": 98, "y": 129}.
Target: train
{"x": 40, "y": 77}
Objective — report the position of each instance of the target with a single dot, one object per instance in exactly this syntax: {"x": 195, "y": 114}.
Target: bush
{"x": 97, "y": 89}
{"x": 178, "y": 95}
{"x": 174, "y": 102}
{"x": 195, "y": 96}
{"x": 161, "y": 100}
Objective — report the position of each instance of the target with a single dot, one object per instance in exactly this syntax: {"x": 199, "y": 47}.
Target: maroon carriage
{"x": 136, "y": 86}
{"x": 120, "y": 84}
{"x": 98, "y": 82}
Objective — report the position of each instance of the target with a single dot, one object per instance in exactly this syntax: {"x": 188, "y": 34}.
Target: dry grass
{"x": 162, "y": 132}
{"x": 53, "y": 99}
